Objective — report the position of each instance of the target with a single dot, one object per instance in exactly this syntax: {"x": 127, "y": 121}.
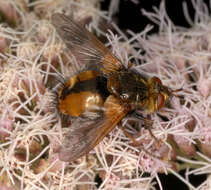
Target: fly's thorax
{"x": 129, "y": 87}
{"x": 83, "y": 92}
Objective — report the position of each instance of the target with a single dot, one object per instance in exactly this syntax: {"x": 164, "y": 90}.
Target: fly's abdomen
{"x": 83, "y": 92}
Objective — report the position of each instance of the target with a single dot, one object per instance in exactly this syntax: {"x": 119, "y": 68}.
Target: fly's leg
{"x": 135, "y": 143}
{"x": 148, "y": 125}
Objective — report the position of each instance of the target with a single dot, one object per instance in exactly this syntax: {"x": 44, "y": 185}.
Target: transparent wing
{"x": 85, "y": 135}
{"x": 87, "y": 49}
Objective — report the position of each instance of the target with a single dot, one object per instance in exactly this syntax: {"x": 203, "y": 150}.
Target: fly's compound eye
{"x": 157, "y": 80}
{"x": 160, "y": 97}
{"x": 160, "y": 101}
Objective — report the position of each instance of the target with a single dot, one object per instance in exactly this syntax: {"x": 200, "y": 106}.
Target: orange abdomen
{"x": 83, "y": 92}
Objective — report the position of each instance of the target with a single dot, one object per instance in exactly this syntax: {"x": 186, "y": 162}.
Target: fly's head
{"x": 157, "y": 95}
